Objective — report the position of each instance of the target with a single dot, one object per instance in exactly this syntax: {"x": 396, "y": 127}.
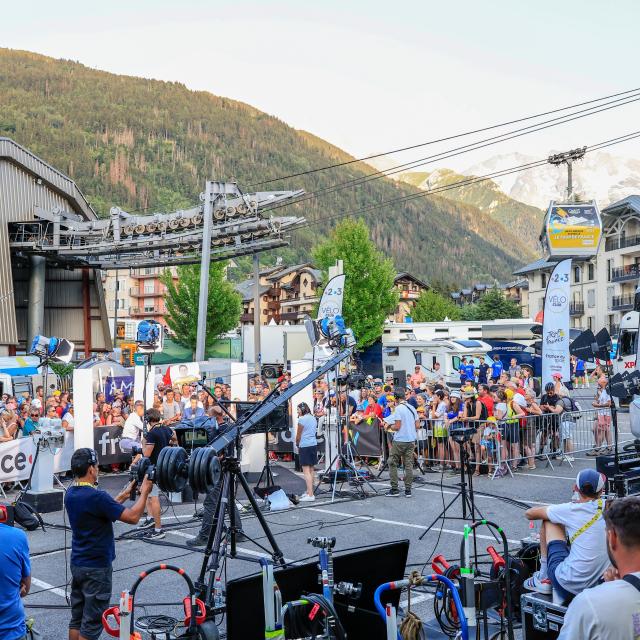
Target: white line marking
{"x": 49, "y": 587}
{"x": 250, "y": 552}
{"x": 540, "y": 475}
{"x": 402, "y": 524}
{"x": 44, "y": 555}
{"x": 416, "y": 599}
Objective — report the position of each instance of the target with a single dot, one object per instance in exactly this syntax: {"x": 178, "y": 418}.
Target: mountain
{"x": 599, "y": 175}
{"x": 148, "y": 145}
{"x": 524, "y": 219}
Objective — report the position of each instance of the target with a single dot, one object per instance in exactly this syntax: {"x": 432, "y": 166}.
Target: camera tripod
{"x": 216, "y": 547}
{"x": 464, "y": 494}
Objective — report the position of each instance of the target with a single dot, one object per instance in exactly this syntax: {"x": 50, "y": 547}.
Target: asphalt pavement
{"x": 354, "y": 523}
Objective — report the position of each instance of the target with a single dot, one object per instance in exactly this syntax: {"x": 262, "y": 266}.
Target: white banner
{"x": 555, "y": 324}
{"x": 17, "y": 456}
{"x": 331, "y": 302}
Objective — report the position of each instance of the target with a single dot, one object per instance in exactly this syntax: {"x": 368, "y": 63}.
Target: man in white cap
{"x": 567, "y": 568}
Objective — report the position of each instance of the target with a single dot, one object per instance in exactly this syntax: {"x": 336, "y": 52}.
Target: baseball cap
{"x": 455, "y": 394}
{"x": 590, "y": 482}
{"x": 557, "y": 375}
{"x": 519, "y": 399}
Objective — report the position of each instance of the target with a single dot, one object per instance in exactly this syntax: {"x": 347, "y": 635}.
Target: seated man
{"x": 567, "y": 570}
{"x": 612, "y": 610}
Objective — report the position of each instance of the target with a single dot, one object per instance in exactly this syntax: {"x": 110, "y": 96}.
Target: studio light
{"x": 52, "y": 349}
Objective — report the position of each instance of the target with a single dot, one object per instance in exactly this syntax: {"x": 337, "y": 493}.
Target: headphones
{"x": 85, "y": 456}
{"x": 6, "y": 514}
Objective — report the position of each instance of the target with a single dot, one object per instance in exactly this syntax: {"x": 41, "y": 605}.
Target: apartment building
{"x": 602, "y": 287}
{"x": 516, "y": 290}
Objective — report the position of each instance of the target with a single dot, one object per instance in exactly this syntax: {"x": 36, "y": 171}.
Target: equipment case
{"x": 541, "y": 619}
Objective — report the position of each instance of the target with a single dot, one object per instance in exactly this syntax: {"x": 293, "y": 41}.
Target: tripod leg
{"x": 278, "y": 557}
{"x": 441, "y": 515}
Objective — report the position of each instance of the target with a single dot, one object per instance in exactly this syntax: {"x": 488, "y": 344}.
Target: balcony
{"x": 145, "y": 273}
{"x": 621, "y": 242}
{"x": 614, "y": 330}
{"x": 273, "y": 305}
{"x": 290, "y": 317}
{"x": 620, "y": 274}
{"x": 576, "y": 308}
{"x": 246, "y": 318}
{"x": 143, "y": 292}
{"x": 156, "y": 310}
{"x": 621, "y": 303}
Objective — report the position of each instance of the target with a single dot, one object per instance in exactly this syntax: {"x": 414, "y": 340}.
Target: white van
{"x": 399, "y": 357}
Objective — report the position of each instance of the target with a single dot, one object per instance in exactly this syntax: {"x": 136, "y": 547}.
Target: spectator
{"x": 504, "y": 413}
{"x": 561, "y": 388}
{"x": 117, "y": 419}
{"x": 61, "y": 409}
{"x": 550, "y": 403}
{"x": 475, "y": 415}
{"x": 38, "y": 400}
{"x": 193, "y": 410}
{"x": 602, "y": 424}
{"x": 31, "y": 423}
{"x": 15, "y": 580}
{"x": 68, "y": 420}
{"x": 496, "y": 369}
{"x": 105, "y": 414}
{"x": 347, "y": 404}
{"x": 611, "y": 611}
{"x": 438, "y": 416}
{"x": 417, "y": 377}
{"x": 454, "y": 413}
{"x": 485, "y": 397}
{"x": 514, "y": 369}
{"x": 581, "y": 374}
{"x": 306, "y": 442}
{"x": 528, "y": 428}
{"x": 483, "y": 371}
{"x": 527, "y": 379}
{"x": 567, "y": 568}
{"x": 8, "y": 426}
{"x": 133, "y": 428}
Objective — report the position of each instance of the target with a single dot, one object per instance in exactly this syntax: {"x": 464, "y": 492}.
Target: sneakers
{"x": 155, "y": 534}
{"x": 198, "y": 541}
{"x": 535, "y": 583}
{"x": 393, "y": 493}
{"x": 145, "y": 523}
{"x": 407, "y": 493}
{"x": 305, "y": 497}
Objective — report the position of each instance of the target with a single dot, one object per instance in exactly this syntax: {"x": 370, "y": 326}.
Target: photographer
{"x": 91, "y": 514}
{"x": 15, "y": 580}
{"x": 158, "y": 437}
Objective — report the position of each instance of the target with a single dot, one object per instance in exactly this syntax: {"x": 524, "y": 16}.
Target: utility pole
{"x": 256, "y": 314}
{"x": 568, "y": 158}
{"x": 209, "y": 199}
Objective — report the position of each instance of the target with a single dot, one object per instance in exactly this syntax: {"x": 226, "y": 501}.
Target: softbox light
{"x": 52, "y": 349}
{"x": 603, "y": 340}
{"x": 583, "y": 346}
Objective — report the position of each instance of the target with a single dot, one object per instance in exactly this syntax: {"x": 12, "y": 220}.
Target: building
{"x": 602, "y": 287}
{"x": 409, "y": 289}
{"x": 43, "y": 294}
{"x": 518, "y": 291}
{"x": 472, "y": 295}
{"x": 288, "y": 294}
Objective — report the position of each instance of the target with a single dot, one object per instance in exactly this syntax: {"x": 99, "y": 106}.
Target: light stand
{"x": 266, "y": 474}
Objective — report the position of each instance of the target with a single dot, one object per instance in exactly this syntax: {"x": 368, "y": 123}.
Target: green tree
{"x": 223, "y": 306}
{"x": 432, "y": 306}
{"x": 492, "y": 306}
{"x": 369, "y": 294}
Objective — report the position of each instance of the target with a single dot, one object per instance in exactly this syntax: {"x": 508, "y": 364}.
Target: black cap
{"x": 81, "y": 460}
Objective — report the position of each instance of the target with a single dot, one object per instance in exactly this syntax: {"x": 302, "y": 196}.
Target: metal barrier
{"x": 517, "y": 441}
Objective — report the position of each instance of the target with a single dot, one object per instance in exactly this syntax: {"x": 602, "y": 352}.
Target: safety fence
{"x": 501, "y": 446}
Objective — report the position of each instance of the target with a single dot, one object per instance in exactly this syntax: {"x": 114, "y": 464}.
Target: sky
{"x": 368, "y": 76}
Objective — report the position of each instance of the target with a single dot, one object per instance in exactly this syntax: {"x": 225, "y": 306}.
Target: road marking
{"x": 416, "y": 599}
{"x": 540, "y": 475}
{"x": 398, "y": 523}
{"x": 49, "y": 587}
{"x": 249, "y": 552}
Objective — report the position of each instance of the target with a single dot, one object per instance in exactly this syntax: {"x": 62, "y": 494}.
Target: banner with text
{"x": 114, "y": 384}
{"x": 106, "y": 442}
{"x": 17, "y": 456}
{"x": 555, "y": 325}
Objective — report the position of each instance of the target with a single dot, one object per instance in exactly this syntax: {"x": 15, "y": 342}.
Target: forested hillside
{"x": 147, "y": 145}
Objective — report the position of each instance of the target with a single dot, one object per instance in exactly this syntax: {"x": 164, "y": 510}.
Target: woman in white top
{"x": 306, "y": 442}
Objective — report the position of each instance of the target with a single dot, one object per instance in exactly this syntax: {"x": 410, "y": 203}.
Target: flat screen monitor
{"x": 370, "y": 566}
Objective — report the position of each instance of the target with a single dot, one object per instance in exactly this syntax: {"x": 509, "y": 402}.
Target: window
{"x": 591, "y": 298}
{"x": 455, "y": 363}
{"x": 576, "y": 274}
{"x": 543, "y": 280}
{"x": 609, "y": 265}
{"x": 149, "y": 286}
{"x": 122, "y": 303}
{"x": 627, "y": 343}
{"x": 590, "y": 322}
{"x": 591, "y": 271}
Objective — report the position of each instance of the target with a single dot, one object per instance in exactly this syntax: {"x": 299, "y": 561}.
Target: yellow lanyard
{"x": 84, "y": 484}
{"x": 593, "y": 520}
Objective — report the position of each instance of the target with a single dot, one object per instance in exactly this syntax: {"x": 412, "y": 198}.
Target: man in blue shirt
{"x": 15, "y": 579}
{"x": 470, "y": 370}
{"x": 483, "y": 371}
{"x": 496, "y": 368}
{"x": 91, "y": 514}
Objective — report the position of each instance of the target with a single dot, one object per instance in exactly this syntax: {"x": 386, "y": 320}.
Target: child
{"x": 489, "y": 443}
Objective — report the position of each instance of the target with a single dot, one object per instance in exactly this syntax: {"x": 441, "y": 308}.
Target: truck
{"x": 399, "y": 357}
{"x": 279, "y": 344}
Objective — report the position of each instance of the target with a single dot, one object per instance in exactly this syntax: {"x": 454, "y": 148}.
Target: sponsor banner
{"x": 331, "y": 301}
{"x": 17, "y": 456}
{"x": 114, "y": 384}
{"x": 573, "y": 229}
{"x": 555, "y": 327}
{"x": 106, "y": 442}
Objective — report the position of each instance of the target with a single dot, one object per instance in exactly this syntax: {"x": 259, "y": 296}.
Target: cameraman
{"x": 91, "y": 514}
{"x": 158, "y": 437}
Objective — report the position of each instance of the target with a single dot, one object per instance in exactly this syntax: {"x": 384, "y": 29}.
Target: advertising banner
{"x": 106, "y": 442}
{"x": 17, "y": 456}
{"x": 555, "y": 327}
{"x": 573, "y": 229}
{"x": 331, "y": 302}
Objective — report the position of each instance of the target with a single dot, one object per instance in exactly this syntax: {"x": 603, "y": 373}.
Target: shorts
{"x": 308, "y": 456}
{"x": 155, "y": 491}
{"x": 490, "y": 445}
{"x": 512, "y": 432}
{"x": 90, "y": 595}
{"x": 557, "y": 553}
{"x": 566, "y": 429}
{"x": 604, "y": 423}
{"x": 126, "y": 444}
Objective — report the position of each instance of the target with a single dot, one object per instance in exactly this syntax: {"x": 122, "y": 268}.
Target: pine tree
{"x": 369, "y": 294}
{"x": 224, "y": 304}
{"x": 431, "y": 306}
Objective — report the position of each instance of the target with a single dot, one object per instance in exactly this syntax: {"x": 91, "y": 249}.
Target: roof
{"x": 520, "y": 283}
{"x": 455, "y": 295}
{"x": 538, "y": 265}
{"x": 245, "y": 289}
{"x": 465, "y": 292}
{"x": 284, "y": 271}
{"x": 409, "y": 276}
{"x": 56, "y": 180}
{"x": 630, "y": 202}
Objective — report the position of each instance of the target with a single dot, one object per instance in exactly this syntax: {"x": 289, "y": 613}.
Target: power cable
{"x": 445, "y": 139}
{"x": 444, "y": 155}
{"x": 465, "y": 182}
